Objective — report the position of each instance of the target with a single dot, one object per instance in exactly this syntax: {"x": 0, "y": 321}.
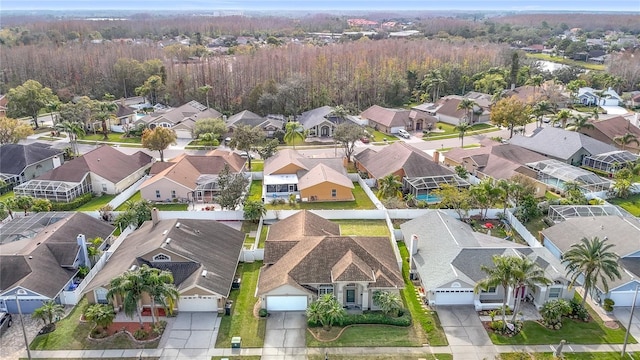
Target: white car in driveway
{"x": 404, "y": 133}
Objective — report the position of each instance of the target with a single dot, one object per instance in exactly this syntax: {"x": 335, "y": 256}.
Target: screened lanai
{"x": 556, "y": 174}
{"x": 421, "y": 187}
{"x": 206, "y": 188}
{"x": 611, "y": 161}
{"x": 57, "y": 191}
{"x": 559, "y": 213}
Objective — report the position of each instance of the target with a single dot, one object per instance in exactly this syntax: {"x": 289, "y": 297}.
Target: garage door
{"x": 454, "y": 297}
{"x": 624, "y": 298}
{"x": 184, "y": 134}
{"x": 198, "y": 303}
{"x": 286, "y": 303}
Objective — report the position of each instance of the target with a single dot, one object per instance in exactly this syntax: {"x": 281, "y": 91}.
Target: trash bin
{"x": 235, "y": 342}
{"x": 236, "y": 283}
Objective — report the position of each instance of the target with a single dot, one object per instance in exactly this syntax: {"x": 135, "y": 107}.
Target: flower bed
{"x": 133, "y": 329}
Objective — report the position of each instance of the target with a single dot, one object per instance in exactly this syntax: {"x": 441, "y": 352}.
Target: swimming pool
{"x": 428, "y": 198}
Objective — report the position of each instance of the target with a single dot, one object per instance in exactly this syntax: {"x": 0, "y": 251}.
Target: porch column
{"x": 365, "y": 298}
{"x": 339, "y": 292}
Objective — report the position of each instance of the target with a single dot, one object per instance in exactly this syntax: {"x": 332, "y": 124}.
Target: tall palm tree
{"x": 205, "y": 90}
{"x": 48, "y": 312}
{"x": 626, "y": 139}
{"x": 601, "y": 94}
{"x": 540, "y": 109}
{"x": 580, "y": 122}
{"x": 527, "y": 274}
{"x": 389, "y": 186}
{"x": 467, "y": 105}
{"x": 293, "y": 130}
{"x": 535, "y": 81}
{"x": 74, "y": 131}
{"x": 160, "y": 287}
{"x": 594, "y": 260}
{"x": 501, "y": 274}
{"x": 105, "y": 111}
{"x": 93, "y": 250}
{"x": 129, "y": 287}
{"x": 508, "y": 192}
{"x": 563, "y": 116}
{"x": 462, "y": 129}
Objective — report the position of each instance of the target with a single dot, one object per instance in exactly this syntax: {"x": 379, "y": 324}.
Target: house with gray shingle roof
{"x": 20, "y": 162}
{"x": 447, "y": 255}
{"x": 46, "y": 265}
{"x": 181, "y": 119}
{"x": 320, "y": 122}
{"x": 269, "y": 124}
{"x": 447, "y": 111}
{"x": 306, "y": 257}
{"x": 622, "y": 232}
{"x": 567, "y": 146}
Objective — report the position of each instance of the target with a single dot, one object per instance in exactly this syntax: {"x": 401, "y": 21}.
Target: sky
{"x": 326, "y": 5}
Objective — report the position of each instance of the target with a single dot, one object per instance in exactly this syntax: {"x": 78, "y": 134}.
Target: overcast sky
{"x": 326, "y": 5}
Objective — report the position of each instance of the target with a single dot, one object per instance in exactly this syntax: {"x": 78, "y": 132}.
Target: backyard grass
{"x": 368, "y": 335}
{"x": 6, "y": 196}
{"x": 161, "y": 207}
{"x": 71, "y": 334}
{"x": 113, "y": 137}
{"x": 361, "y": 202}
{"x": 561, "y": 60}
{"x": 631, "y": 204}
{"x": 257, "y": 165}
{"x": 427, "y": 320}
{"x": 363, "y": 227}
{"x": 567, "y": 356}
{"x": 383, "y": 357}
{"x": 242, "y": 322}
{"x": 536, "y": 225}
{"x": 96, "y": 203}
{"x": 263, "y": 236}
{"x": 255, "y": 190}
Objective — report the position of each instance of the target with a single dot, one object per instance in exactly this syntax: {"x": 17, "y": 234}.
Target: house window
{"x": 325, "y": 289}
{"x": 157, "y": 194}
{"x": 173, "y": 194}
{"x": 554, "y": 293}
{"x": 334, "y": 193}
{"x": 491, "y": 290}
{"x": 104, "y": 187}
{"x": 161, "y": 257}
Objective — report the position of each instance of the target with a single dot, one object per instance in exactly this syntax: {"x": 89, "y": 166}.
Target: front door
{"x": 292, "y": 188}
{"x": 351, "y": 296}
{"x": 324, "y": 131}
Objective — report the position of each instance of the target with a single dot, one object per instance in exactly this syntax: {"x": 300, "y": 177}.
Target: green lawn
{"x": 257, "y": 165}
{"x": 242, "y": 322}
{"x": 449, "y": 132}
{"x": 377, "y": 136}
{"x": 71, "y": 334}
{"x": 263, "y": 236}
{"x": 561, "y": 60}
{"x": 113, "y": 137}
{"x": 369, "y": 335}
{"x": 424, "y": 356}
{"x": 631, "y": 204}
{"x": 361, "y": 202}
{"x": 255, "y": 191}
{"x": 363, "y": 227}
{"x": 567, "y": 356}
{"x": 161, "y": 207}
{"x": 96, "y": 203}
{"x": 6, "y": 196}
{"x": 256, "y": 357}
{"x": 428, "y": 320}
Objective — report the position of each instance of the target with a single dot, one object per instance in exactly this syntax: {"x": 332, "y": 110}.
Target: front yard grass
{"x": 361, "y": 202}
{"x": 427, "y": 320}
{"x": 383, "y": 357}
{"x": 631, "y": 204}
{"x": 96, "y": 203}
{"x": 113, "y": 137}
{"x": 71, "y": 334}
{"x": 566, "y": 356}
{"x": 367, "y": 336}
{"x": 363, "y": 227}
{"x": 242, "y": 322}
{"x": 161, "y": 207}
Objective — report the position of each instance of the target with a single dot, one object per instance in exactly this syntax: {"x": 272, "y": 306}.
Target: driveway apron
{"x": 465, "y": 333}
{"x": 193, "y": 331}
{"x": 285, "y": 336}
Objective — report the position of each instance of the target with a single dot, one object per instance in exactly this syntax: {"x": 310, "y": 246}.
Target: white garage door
{"x": 454, "y": 297}
{"x": 184, "y": 134}
{"x": 286, "y": 303}
{"x": 198, "y": 303}
{"x": 623, "y": 298}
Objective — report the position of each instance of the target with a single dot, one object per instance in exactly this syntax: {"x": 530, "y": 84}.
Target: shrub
{"x": 140, "y": 334}
{"x": 578, "y": 311}
{"x": 82, "y": 271}
{"x": 607, "y": 304}
{"x": 159, "y": 327}
{"x": 553, "y": 311}
{"x": 371, "y": 317}
{"x": 76, "y": 203}
{"x": 263, "y": 313}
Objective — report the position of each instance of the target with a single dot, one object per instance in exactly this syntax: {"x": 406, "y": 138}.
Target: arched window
{"x": 161, "y": 257}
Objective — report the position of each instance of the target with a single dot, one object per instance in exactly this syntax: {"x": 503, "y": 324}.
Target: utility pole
{"x": 626, "y": 335}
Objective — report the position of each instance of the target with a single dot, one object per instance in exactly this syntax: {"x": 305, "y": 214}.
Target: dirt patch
{"x": 612, "y": 324}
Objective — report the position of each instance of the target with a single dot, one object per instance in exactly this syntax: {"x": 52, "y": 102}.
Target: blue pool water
{"x": 428, "y": 198}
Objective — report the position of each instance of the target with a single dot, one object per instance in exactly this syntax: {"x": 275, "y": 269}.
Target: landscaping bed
{"x": 363, "y": 336}
{"x": 138, "y": 334}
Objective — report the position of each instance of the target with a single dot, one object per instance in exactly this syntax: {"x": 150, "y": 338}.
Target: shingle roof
{"x": 104, "y": 161}
{"x": 281, "y": 159}
{"x": 314, "y": 117}
{"x": 386, "y": 117}
{"x": 247, "y": 117}
{"x": 616, "y": 126}
{"x": 400, "y": 155}
{"x": 559, "y": 143}
{"x": 322, "y": 173}
{"x": 214, "y": 246}
{"x": 351, "y": 268}
{"x": 14, "y": 158}
{"x": 192, "y": 110}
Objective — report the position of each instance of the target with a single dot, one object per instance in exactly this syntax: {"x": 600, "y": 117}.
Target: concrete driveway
{"x": 192, "y": 331}
{"x": 285, "y": 336}
{"x": 12, "y": 344}
{"x": 623, "y": 314}
{"x": 465, "y": 333}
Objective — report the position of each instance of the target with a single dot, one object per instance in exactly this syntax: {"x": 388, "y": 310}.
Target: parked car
{"x": 5, "y": 322}
{"x": 246, "y": 155}
{"x": 364, "y": 140}
{"x": 404, "y": 133}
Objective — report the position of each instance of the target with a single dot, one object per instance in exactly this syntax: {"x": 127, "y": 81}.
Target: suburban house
{"x": 181, "y": 119}
{"x": 447, "y": 111}
{"x": 21, "y": 162}
{"x": 607, "y": 130}
{"x": 269, "y": 124}
{"x": 423, "y": 117}
{"x": 589, "y": 96}
{"x": 46, "y": 265}
{"x": 446, "y": 256}
{"x": 310, "y": 179}
{"x": 567, "y": 146}
{"x": 527, "y": 94}
{"x": 189, "y": 177}
{"x": 102, "y": 170}
{"x": 419, "y": 172}
{"x": 125, "y": 115}
{"x": 497, "y": 161}
{"x": 305, "y": 257}
{"x": 202, "y": 255}
{"x": 320, "y": 122}
{"x": 387, "y": 120}
{"x": 617, "y": 230}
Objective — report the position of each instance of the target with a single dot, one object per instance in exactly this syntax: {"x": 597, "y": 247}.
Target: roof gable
{"x": 386, "y": 117}
{"x": 22, "y": 156}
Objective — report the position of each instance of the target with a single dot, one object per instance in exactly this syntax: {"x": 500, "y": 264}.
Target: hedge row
{"x": 76, "y": 203}
{"x": 371, "y": 317}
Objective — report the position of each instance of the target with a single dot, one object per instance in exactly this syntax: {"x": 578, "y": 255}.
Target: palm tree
{"x": 563, "y": 116}
{"x": 387, "y": 301}
{"x": 467, "y": 105}
{"x": 293, "y": 130}
{"x": 540, "y": 109}
{"x": 508, "y": 192}
{"x": 53, "y": 108}
{"x": 580, "y": 122}
{"x": 626, "y": 139}
{"x": 74, "y": 130}
{"x": 102, "y": 315}
{"x": 527, "y": 274}
{"x": 326, "y": 310}
{"x": 501, "y": 274}
{"x": 22, "y": 202}
{"x": 5, "y": 210}
{"x": 389, "y": 186}
{"x": 593, "y": 261}
{"x": 129, "y": 287}
{"x": 93, "y": 250}
{"x": 462, "y": 129}
{"x": 535, "y": 81}
{"x": 159, "y": 286}
{"x": 105, "y": 111}
{"x": 601, "y": 94}
{"x": 48, "y": 312}
{"x": 205, "y": 90}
